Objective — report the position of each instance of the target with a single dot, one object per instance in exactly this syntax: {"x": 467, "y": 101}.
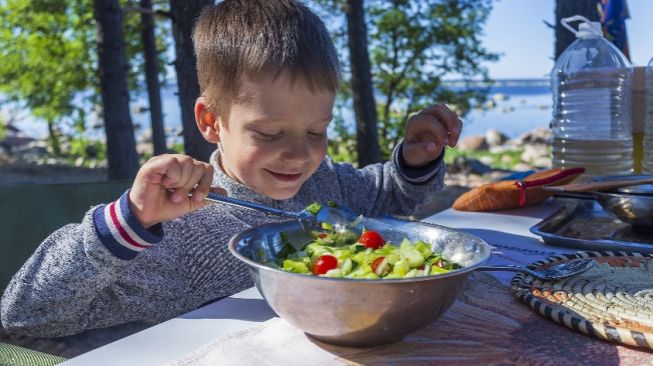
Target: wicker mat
{"x": 611, "y": 301}
{"x": 485, "y": 326}
{"x": 11, "y": 355}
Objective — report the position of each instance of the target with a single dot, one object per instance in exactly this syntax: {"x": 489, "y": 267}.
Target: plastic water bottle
{"x": 647, "y": 160}
{"x": 591, "y": 123}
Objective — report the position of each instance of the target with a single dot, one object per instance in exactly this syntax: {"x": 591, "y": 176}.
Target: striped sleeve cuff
{"x": 418, "y": 176}
{"x": 120, "y": 231}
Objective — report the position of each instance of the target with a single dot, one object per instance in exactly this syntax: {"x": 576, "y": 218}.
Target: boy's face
{"x": 274, "y": 136}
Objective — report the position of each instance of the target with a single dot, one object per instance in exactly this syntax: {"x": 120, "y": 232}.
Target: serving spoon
{"x": 341, "y": 218}
{"x": 562, "y": 270}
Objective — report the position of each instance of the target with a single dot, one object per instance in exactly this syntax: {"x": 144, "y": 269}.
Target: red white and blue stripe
{"x": 120, "y": 231}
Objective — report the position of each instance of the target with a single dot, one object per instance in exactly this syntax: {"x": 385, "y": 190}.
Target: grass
{"x": 499, "y": 160}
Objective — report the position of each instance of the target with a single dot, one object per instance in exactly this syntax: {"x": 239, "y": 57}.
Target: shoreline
{"x": 513, "y": 106}
{"x": 476, "y": 160}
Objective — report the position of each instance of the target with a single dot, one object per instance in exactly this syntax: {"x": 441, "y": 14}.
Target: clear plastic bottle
{"x": 647, "y": 160}
{"x": 591, "y": 123}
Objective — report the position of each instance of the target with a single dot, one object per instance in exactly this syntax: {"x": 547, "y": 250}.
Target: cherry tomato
{"x": 380, "y": 266}
{"x": 371, "y": 239}
{"x": 324, "y": 263}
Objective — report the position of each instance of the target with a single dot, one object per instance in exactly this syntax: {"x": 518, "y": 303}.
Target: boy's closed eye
{"x": 271, "y": 136}
{"x": 317, "y": 135}
{"x": 268, "y": 136}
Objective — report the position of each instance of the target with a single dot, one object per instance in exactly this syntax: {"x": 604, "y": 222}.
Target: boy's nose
{"x": 295, "y": 151}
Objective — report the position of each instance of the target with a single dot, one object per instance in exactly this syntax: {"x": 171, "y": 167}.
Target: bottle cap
{"x": 589, "y": 30}
{"x": 586, "y": 29}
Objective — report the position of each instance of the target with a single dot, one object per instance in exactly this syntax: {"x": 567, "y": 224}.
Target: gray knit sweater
{"x": 109, "y": 270}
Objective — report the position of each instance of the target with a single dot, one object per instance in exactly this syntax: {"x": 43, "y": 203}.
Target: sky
{"x": 515, "y": 28}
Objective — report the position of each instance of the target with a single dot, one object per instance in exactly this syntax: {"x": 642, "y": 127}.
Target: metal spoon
{"x": 341, "y": 218}
{"x": 558, "y": 271}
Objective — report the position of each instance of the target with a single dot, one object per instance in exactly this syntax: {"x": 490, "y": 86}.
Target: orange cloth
{"x": 507, "y": 194}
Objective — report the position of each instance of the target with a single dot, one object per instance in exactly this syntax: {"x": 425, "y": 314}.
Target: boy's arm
{"x": 389, "y": 188}
{"x": 400, "y": 186}
{"x": 76, "y": 279}
{"x": 114, "y": 267}
{"x": 82, "y": 276}
{"x": 70, "y": 280}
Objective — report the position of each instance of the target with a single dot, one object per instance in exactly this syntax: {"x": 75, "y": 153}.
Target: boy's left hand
{"x": 427, "y": 132}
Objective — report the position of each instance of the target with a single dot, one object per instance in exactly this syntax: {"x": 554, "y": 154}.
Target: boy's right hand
{"x": 160, "y": 190}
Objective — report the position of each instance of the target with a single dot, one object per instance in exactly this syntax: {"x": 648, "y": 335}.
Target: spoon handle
{"x": 215, "y": 197}
{"x": 597, "y": 186}
{"x": 508, "y": 268}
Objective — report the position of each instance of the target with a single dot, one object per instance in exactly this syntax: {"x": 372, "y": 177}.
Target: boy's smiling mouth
{"x": 285, "y": 177}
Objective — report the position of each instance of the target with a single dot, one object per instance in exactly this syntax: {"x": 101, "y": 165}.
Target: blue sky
{"x": 516, "y": 29}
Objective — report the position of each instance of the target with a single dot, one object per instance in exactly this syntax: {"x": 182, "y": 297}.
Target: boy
{"x": 268, "y": 76}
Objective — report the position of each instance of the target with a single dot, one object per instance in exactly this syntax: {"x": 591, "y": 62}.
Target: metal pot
{"x": 631, "y": 203}
{"x": 634, "y": 209}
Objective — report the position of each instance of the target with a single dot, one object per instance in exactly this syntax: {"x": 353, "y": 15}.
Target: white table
{"x": 177, "y": 337}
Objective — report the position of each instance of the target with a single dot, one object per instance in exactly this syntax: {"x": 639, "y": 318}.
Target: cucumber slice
{"x": 346, "y": 266}
{"x": 336, "y": 273}
{"x": 401, "y": 267}
{"x": 297, "y": 266}
{"x": 412, "y": 255}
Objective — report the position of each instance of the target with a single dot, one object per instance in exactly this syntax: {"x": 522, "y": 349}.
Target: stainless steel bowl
{"x": 634, "y": 209}
{"x": 354, "y": 312}
{"x": 630, "y": 204}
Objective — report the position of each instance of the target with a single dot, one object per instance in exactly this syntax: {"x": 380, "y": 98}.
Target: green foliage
{"x": 178, "y": 148}
{"x": 342, "y": 141}
{"x": 87, "y": 151}
{"x": 49, "y": 56}
{"x": 134, "y": 43}
{"x": 3, "y": 129}
{"x": 414, "y": 46}
{"x": 499, "y": 160}
{"x": 45, "y": 48}
{"x": 343, "y": 149}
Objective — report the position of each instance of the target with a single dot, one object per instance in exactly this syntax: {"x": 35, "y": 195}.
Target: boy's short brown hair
{"x": 252, "y": 38}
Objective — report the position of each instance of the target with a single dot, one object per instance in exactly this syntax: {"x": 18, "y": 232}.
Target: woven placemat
{"x": 11, "y": 355}
{"x": 611, "y": 301}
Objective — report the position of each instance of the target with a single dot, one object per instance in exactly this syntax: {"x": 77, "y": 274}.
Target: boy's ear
{"x": 206, "y": 121}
